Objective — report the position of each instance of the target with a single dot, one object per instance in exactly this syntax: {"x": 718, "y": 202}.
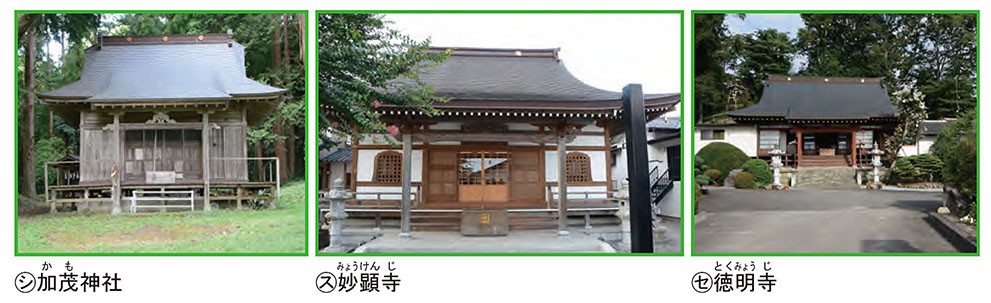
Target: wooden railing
{"x": 163, "y": 196}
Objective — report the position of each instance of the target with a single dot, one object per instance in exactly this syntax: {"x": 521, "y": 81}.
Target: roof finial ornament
{"x": 230, "y": 37}
{"x": 99, "y": 39}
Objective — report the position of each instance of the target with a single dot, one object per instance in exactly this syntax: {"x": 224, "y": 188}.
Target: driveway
{"x": 817, "y": 221}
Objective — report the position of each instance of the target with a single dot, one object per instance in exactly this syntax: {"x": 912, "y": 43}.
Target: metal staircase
{"x": 660, "y": 185}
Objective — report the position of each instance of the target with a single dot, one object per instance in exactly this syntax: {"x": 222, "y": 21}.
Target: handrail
{"x": 274, "y": 169}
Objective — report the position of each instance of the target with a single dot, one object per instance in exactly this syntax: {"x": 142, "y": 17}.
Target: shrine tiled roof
{"x": 162, "y": 68}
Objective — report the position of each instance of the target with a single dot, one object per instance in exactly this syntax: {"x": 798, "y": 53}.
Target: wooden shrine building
{"x": 517, "y": 130}
{"x": 817, "y": 121}
{"x": 163, "y": 120}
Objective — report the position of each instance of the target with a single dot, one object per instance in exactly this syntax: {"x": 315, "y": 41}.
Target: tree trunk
{"x": 280, "y": 149}
{"x": 301, "y": 20}
{"x": 291, "y": 152}
{"x": 285, "y": 35}
{"x": 27, "y": 116}
{"x": 279, "y": 145}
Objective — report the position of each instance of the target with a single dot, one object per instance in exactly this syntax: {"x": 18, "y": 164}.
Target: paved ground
{"x": 817, "y": 220}
{"x": 535, "y": 241}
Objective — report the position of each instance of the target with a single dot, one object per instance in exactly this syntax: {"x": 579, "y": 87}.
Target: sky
{"x": 786, "y": 23}
{"x": 605, "y": 51}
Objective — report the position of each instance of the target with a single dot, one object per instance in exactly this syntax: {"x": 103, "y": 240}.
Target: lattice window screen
{"x": 389, "y": 168}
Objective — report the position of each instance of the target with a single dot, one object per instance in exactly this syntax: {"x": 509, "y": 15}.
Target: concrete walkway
{"x": 817, "y": 221}
{"x": 535, "y": 241}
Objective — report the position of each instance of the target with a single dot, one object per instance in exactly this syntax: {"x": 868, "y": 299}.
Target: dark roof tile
{"x": 794, "y": 97}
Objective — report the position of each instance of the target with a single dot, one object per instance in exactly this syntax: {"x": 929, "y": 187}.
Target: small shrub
{"x": 703, "y": 180}
{"x": 722, "y": 156}
{"x": 903, "y": 171}
{"x": 713, "y": 174}
{"x": 760, "y": 170}
{"x": 745, "y": 180}
{"x": 930, "y": 167}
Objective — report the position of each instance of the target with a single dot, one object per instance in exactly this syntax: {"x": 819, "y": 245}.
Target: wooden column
{"x": 853, "y": 149}
{"x": 562, "y": 182}
{"x": 205, "y": 137}
{"x": 116, "y": 173}
{"x": 404, "y": 227}
{"x": 799, "y": 149}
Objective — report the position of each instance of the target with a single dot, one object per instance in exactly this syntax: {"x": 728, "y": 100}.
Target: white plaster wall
{"x": 908, "y": 150}
{"x": 366, "y": 164}
{"x": 521, "y": 127}
{"x": 588, "y": 140}
{"x": 445, "y": 143}
{"x": 655, "y": 151}
{"x": 671, "y": 204}
{"x": 924, "y": 146}
{"x": 395, "y": 192}
{"x": 657, "y": 157}
{"x": 522, "y": 143}
{"x": 446, "y": 126}
{"x": 576, "y": 192}
{"x": 597, "y": 160}
{"x": 743, "y": 137}
{"x": 592, "y": 128}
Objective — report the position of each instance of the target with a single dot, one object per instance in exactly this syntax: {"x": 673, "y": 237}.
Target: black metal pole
{"x": 635, "y": 123}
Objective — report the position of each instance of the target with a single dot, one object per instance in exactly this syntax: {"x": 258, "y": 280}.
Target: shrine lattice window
{"x": 578, "y": 168}
{"x": 388, "y": 168}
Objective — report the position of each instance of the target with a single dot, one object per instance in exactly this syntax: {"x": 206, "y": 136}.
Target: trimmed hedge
{"x": 745, "y": 180}
{"x": 723, "y": 157}
{"x": 760, "y": 170}
{"x": 919, "y": 168}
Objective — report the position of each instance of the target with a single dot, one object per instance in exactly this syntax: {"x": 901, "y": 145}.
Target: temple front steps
{"x": 452, "y": 221}
{"x": 827, "y": 177}
{"x": 825, "y": 161}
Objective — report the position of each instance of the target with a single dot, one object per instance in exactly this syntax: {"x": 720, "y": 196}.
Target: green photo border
{"x": 681, "y": 13}
{"x": 829, "y": 254}
{"x": 306, "y": 36}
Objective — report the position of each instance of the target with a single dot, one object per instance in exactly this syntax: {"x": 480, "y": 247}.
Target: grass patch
{"x": 279, "y": 230}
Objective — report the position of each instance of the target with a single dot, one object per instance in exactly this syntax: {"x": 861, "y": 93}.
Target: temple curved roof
{"x": 162, "y": 68}
{"x": 821, "y": 98}
{"x": 530, "y": 79}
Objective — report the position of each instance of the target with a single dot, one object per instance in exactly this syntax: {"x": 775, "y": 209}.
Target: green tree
{"x": 709, "y": 65}
{"x": 765, "y": 52}
{"x": 35, "y": 34}
{"x": 942, "y": 61}
{"x": 852, "y": 45}
{"x": 363, "y": 63}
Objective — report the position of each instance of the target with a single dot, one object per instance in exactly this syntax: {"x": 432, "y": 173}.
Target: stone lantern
{"x": 876, "y": 162}
{"x": 776, "y": 164}
{"x": 336, "y": 215}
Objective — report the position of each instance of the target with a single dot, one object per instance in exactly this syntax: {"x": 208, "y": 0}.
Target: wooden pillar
{"x": 404, "y": 228}
{"x": 562, "y": 183}
{"x": 205, "y": 137}
{"x": 799, "y": 149}
{"x": 47, "y": 199}
{"x": 853, "y": 149}
{"x": 115, "y": 175}
{"x": 240, "y": 193}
